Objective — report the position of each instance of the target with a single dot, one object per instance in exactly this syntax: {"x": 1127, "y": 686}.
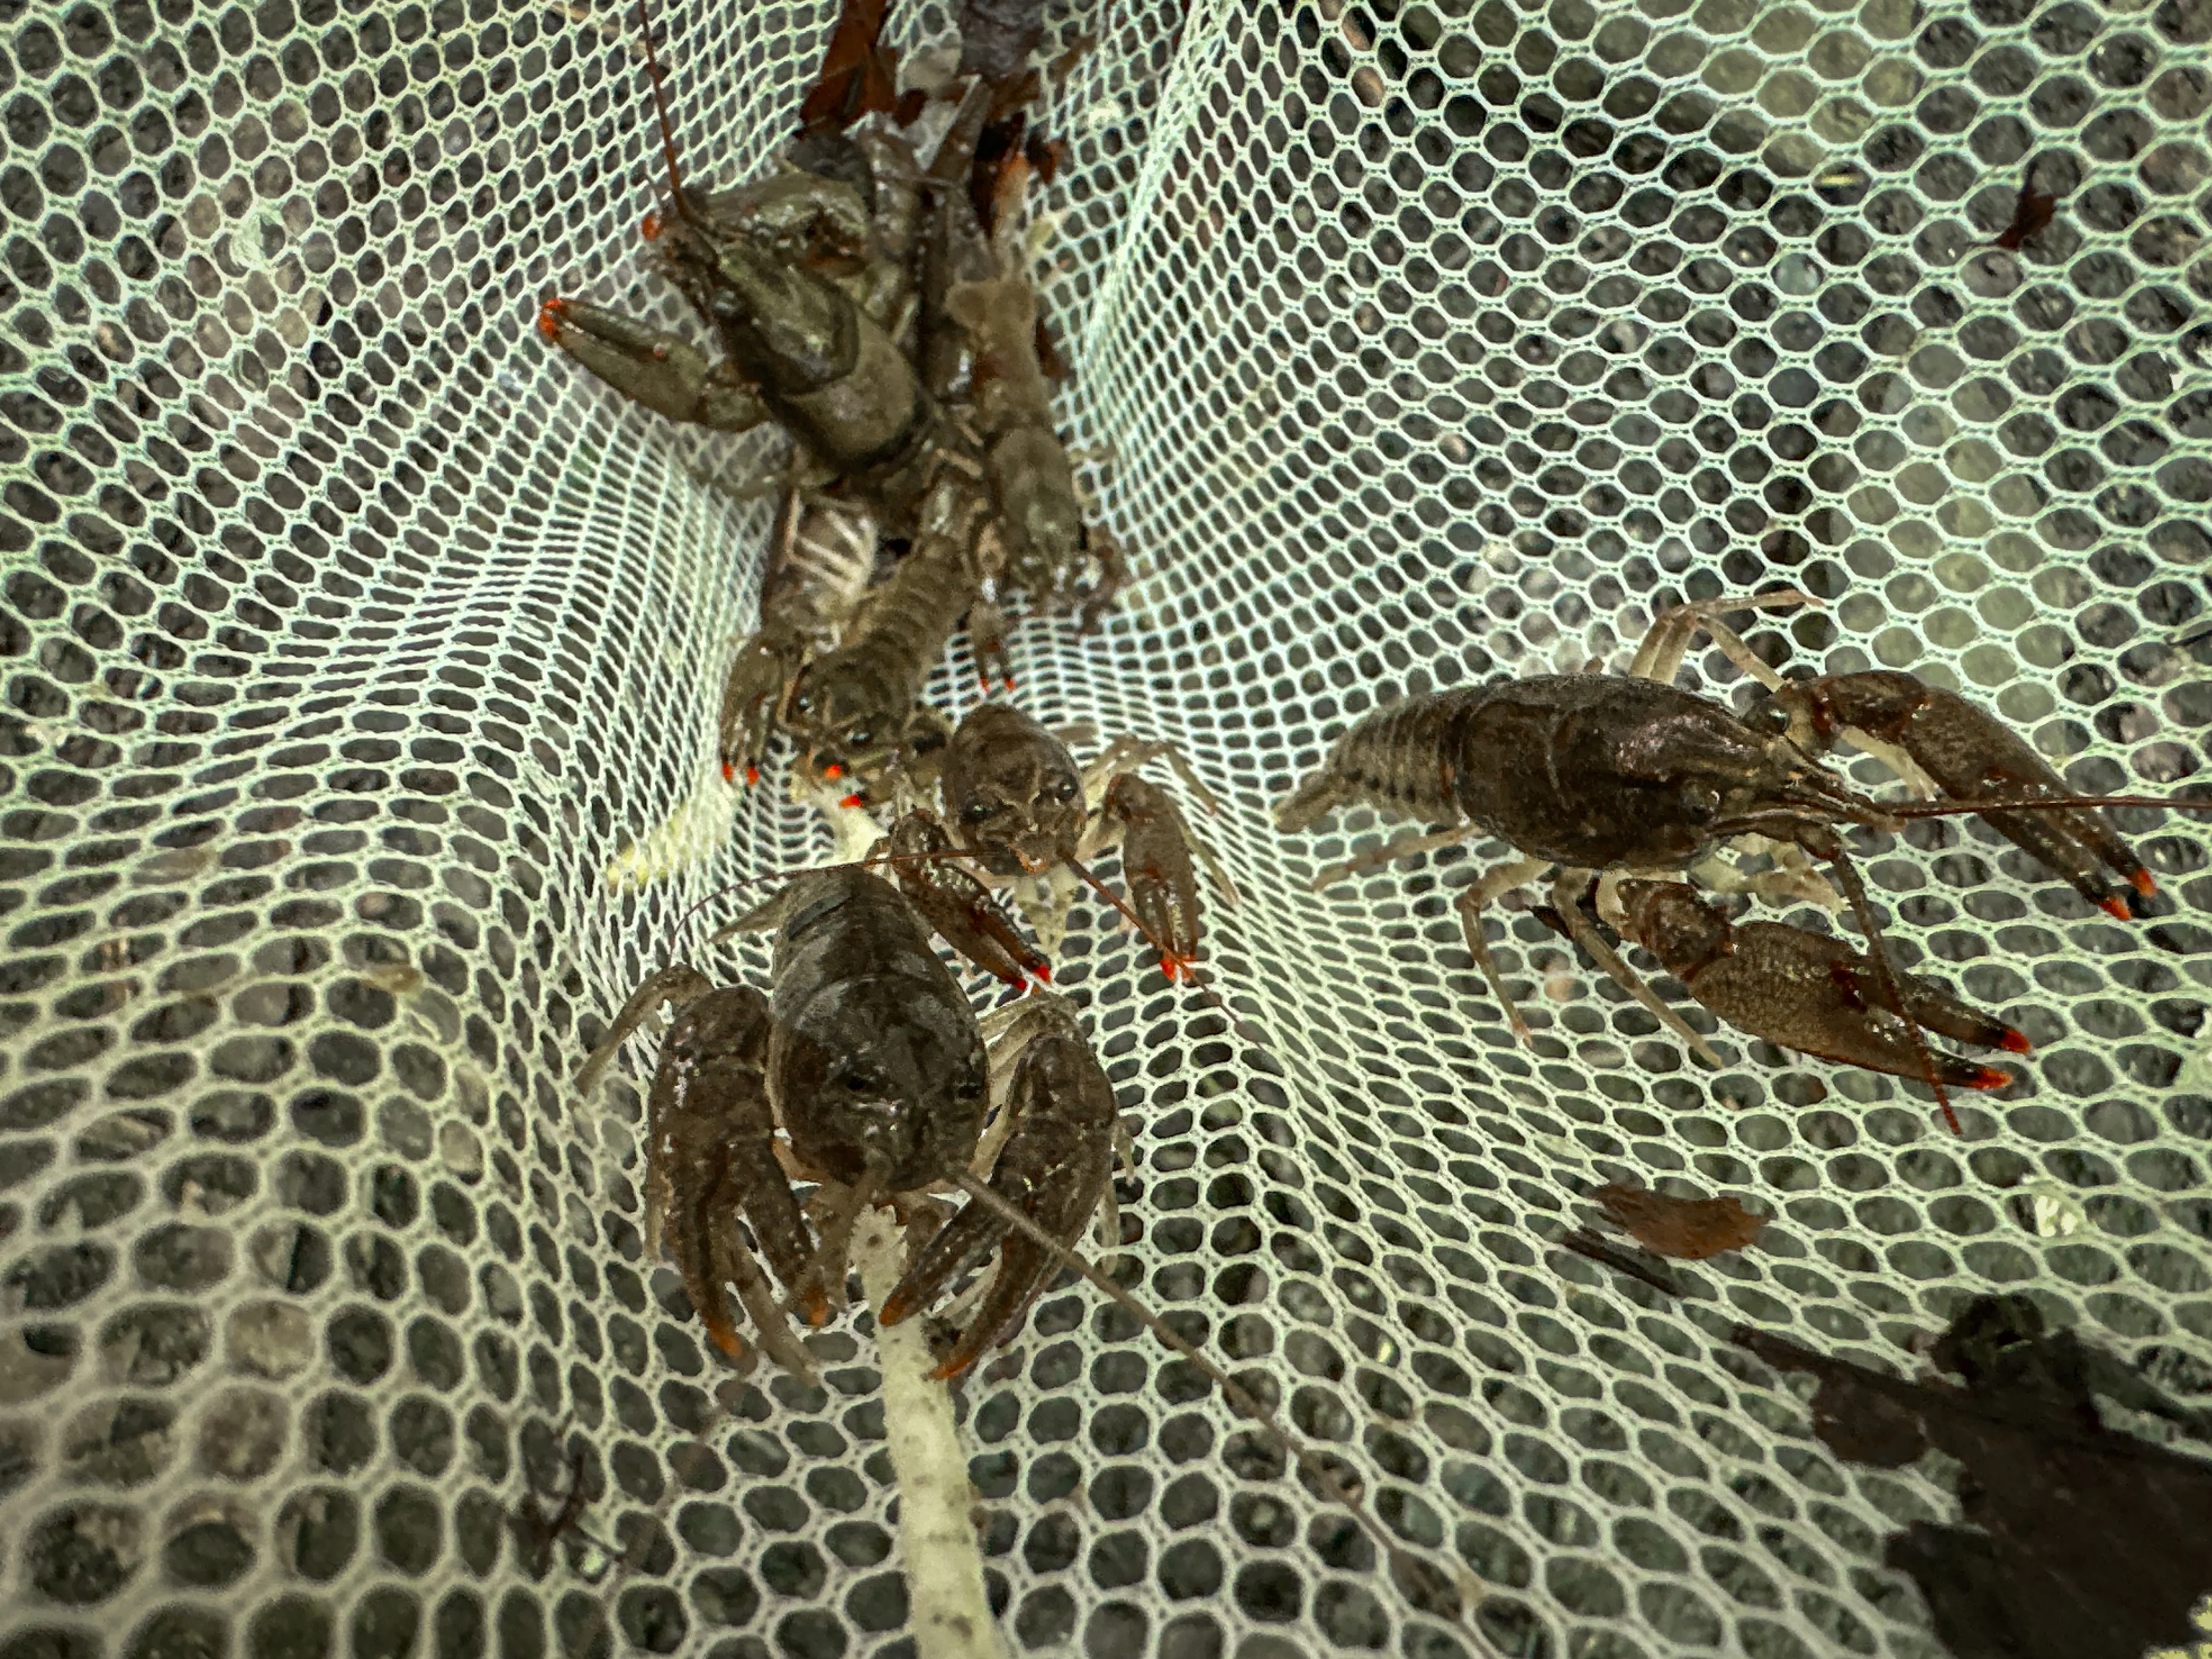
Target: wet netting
{"x": 362, "y": 657}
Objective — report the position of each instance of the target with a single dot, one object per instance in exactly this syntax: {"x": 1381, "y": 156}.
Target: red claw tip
{"x": 2016, "y": 1041}
{"x": 1008, "y": 682}
{"x": 753, "y": 774}
{"x": 833, "y": 770}
{"x": 850, "y": 800}
{"x": 1989, "y": 1077}
{"x": 650, "y": 227}
{"x": 548, "y": 319}
{"x": 2115, "y": 907}
{"x": 2142, "y": 882}
{"x": 729, "y": 773}
{"x": 1044, "y": 973}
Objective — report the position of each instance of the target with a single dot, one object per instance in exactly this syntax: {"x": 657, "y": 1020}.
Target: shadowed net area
{"x": 352, "y": 636}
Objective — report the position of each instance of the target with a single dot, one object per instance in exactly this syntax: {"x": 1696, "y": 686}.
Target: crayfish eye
{"x": 975, "y": 811}
{"x": 861, "y": 739}
{"x": 1701, "y": 805}
{"x": 1767, "y": 718}
{"x": 858, "y": 1082}
{"x": 1065, "y": 789}
{"x": 971, "y": 1090}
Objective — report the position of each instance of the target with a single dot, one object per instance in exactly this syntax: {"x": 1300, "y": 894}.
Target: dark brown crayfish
{"x": 1599, "y": 777}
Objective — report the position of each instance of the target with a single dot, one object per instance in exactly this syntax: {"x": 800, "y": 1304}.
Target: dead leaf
{"x": 2032, "y": 211}
{"x": 859, "y": 72}
{"x": 1689, "y": 1228}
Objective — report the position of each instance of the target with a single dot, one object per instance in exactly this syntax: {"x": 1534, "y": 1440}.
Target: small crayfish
{"x": 1600, "y": 778}
{"x": 1014, "y": 803}
{"x": 866, "y": 1057}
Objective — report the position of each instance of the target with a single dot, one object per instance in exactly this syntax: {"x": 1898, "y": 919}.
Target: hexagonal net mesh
{"x": 352, "y": 634}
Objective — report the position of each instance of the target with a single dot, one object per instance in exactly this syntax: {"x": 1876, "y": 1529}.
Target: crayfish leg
{"x": 819, "y": 1289}
{"x": 1403, "y": 847}
{"x": 1566, "y": 893}
{"x": 1471, "y": 904}
{"x": 1113, "y": 577}
{"x": 1661, "y": 654}
{"x": 678, "y": 984}
{"x": 728, "y": 1261}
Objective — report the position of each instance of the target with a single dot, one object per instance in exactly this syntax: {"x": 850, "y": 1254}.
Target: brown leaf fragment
{"x": 1689, "y": 1228}
{"x": 859, "y": 74}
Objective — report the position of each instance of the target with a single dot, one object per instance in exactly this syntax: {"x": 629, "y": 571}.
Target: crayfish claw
{"x": 959, "y": 906}
{"x": 1157, "y": 864}
{"x": 760, "y": 674}
{"x": 1969, "y": 755}
{"x": 1055, "y": 1169}
{"x": 1808, "y": 991}
{"x": 650, "y": 366}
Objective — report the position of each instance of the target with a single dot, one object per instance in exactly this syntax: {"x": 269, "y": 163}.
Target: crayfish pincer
{"x": 864, "y": 1071}
{"x": 1807, "y": 991}
{"x": 1054, "y": 1168}
{"x": 1969, "y": 755}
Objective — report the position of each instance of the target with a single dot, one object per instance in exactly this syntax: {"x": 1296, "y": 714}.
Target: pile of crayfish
{"x": 871, "y": 296}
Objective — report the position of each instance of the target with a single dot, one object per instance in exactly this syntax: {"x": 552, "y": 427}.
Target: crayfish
{"x": 1014, "y": 803}
{"x": 867, "y": 1056}
{"x": 1599, "y": 778}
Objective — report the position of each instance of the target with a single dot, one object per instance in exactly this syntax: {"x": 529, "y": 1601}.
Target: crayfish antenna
{"x": 682, "y": 203}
